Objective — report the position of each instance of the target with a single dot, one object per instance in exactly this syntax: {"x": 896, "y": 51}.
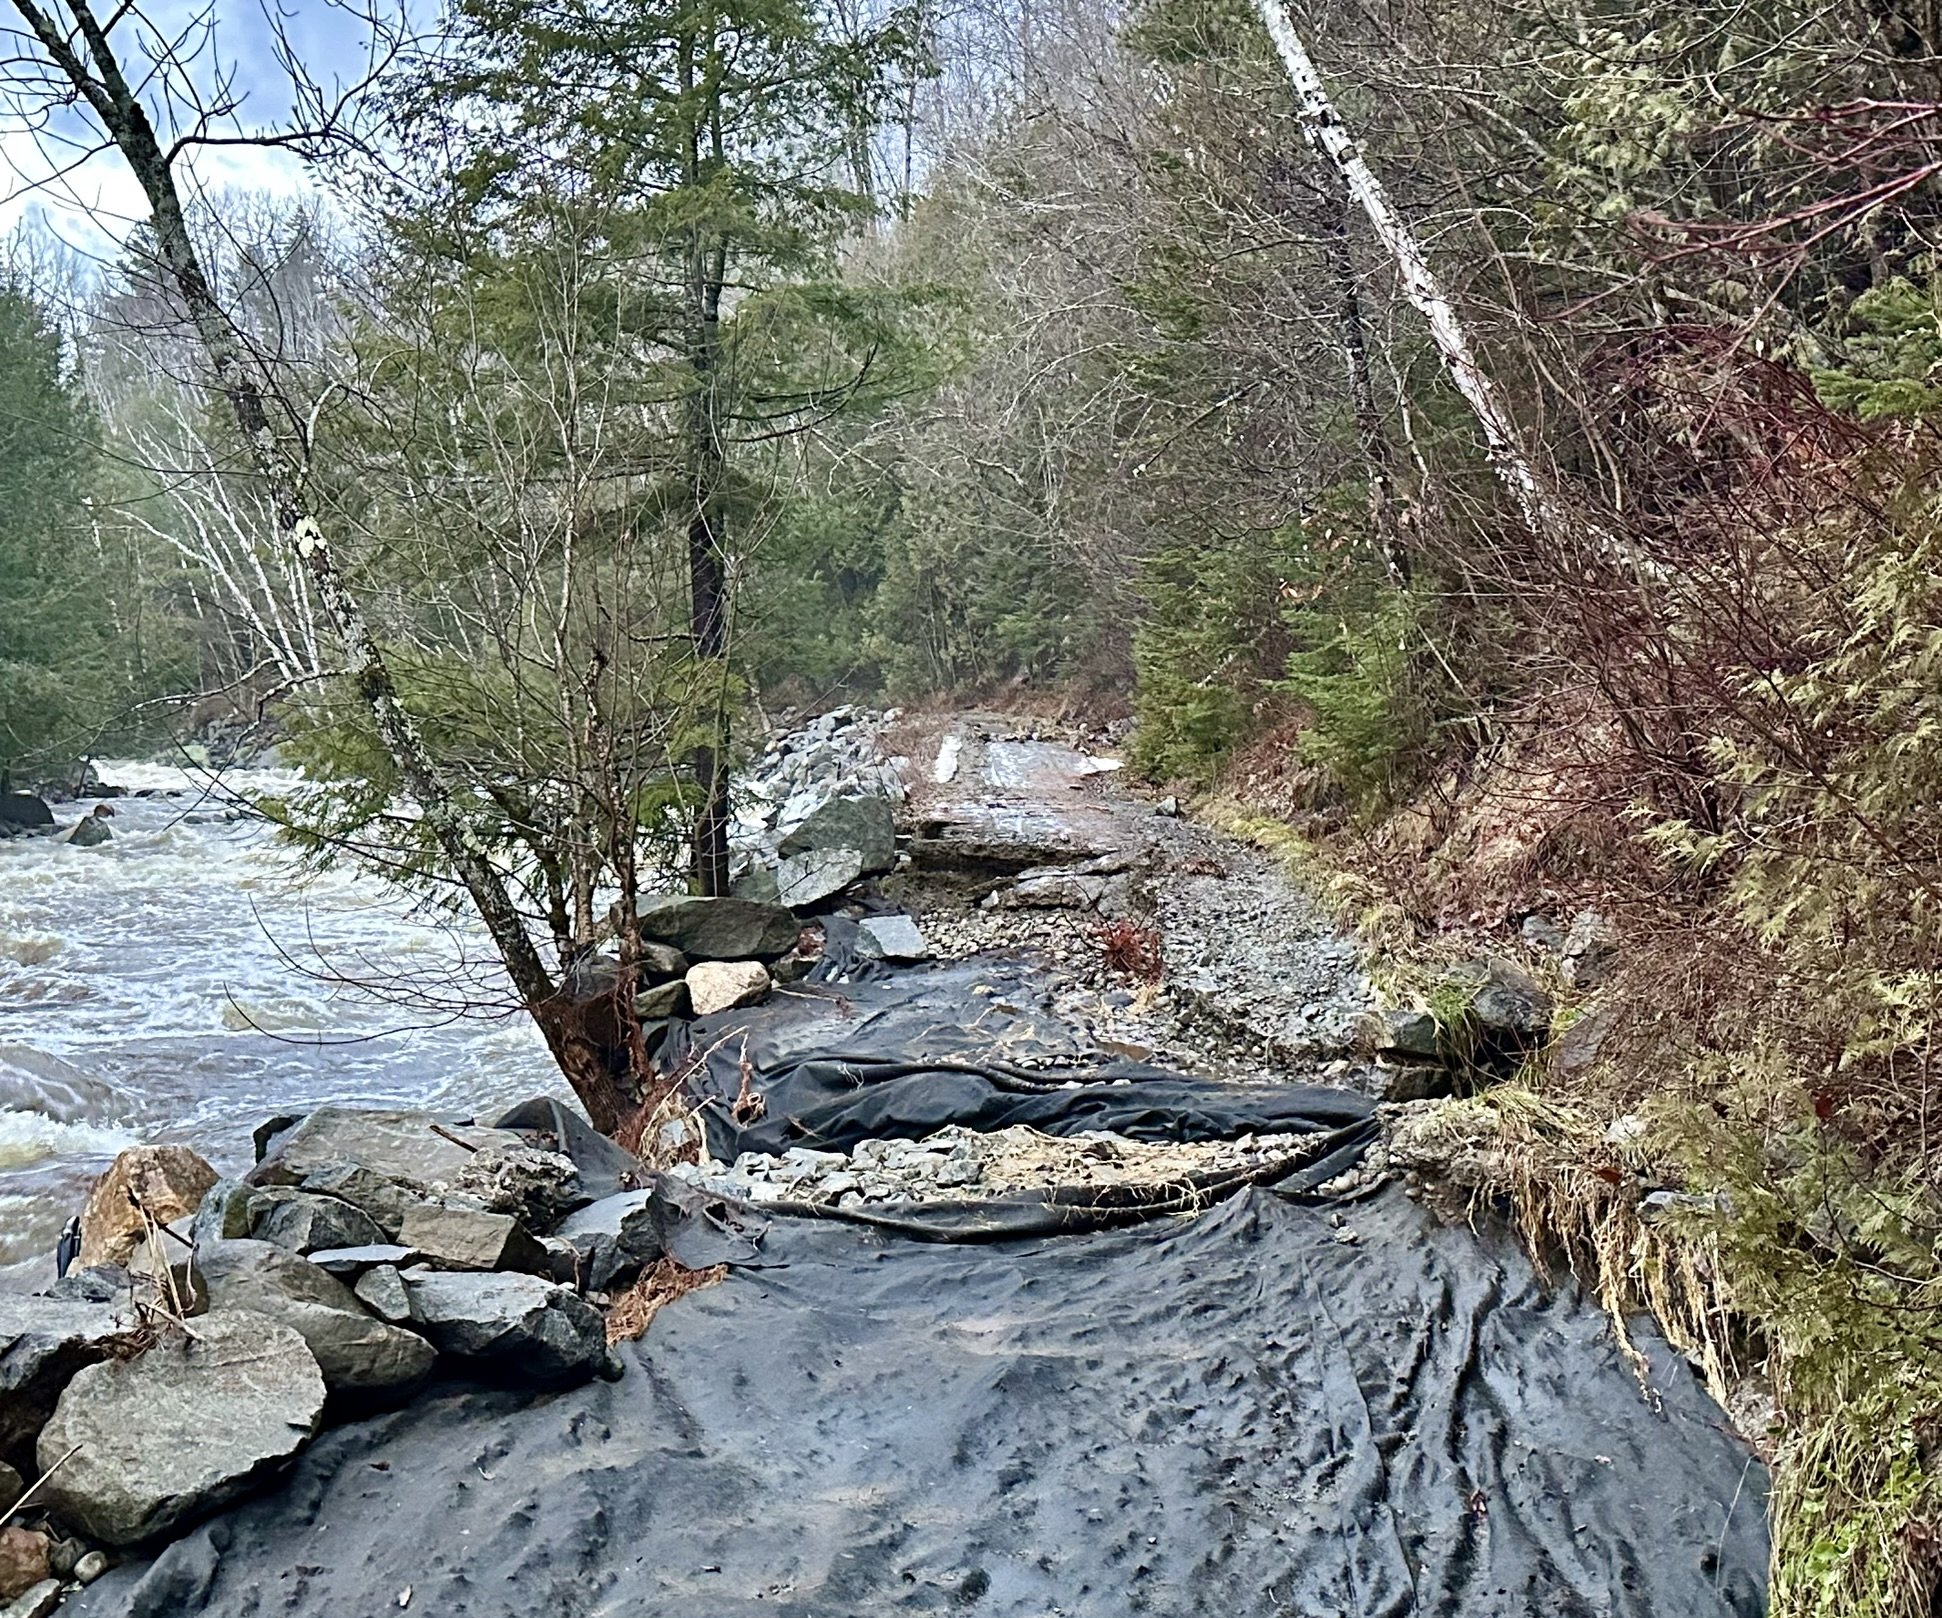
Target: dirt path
{"x": 1027, "y": 837}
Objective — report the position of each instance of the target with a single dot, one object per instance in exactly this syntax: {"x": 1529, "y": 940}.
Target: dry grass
{"x": 660, "y": 1284}
{"x": 1573, "y": 1188}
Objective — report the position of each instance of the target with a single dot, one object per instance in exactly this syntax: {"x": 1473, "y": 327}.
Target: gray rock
{"x": 104, "y": 1283}
{"x": 660, "y": 962}
{"x": 348, "y": 1262}
{"x": 725, "y": 929}
{"x": 305, "y": 1221}
{"x": 1409, "y": 1033}
{"x": 1578, "y": 1046}
{"x": 91, "y": 831}
{"x": 1590, "y": 950}
{"x": 1505, "y": 1000}
{"x": 382, "y": 1291}
{"x": 37, "y": 1601}
{"x": 171, "y": 1435}
{"x": 816, "y": 874}
{"x": 759, "y": 883}
{"x": 24, "y": 809}
{"x": 663, "y": 1000}
{"x": 616, "y": 1238}
{"x": 384, "y": 1199}
{"x": 1541, "y": 932}
{"x": 90, "y": 1567}
{"x": 44, "y": 1343}
{"x": 357, "y": 1354}
{"x": 891, "y": 938}
{"x": 1051, "y": 890}
{"x": 532, "y": 1185}
{"x": 518, "y": 1324}
{"x": 865, "y": 824}
{"x": 399, "y": 1145}
{"x": 1409, "y": 1080}
{"x": 228, "y": 1212}
{"x": 471, "y": 1239}
{"x": 12, "y": 1487}
{"x": 724, "y": 985}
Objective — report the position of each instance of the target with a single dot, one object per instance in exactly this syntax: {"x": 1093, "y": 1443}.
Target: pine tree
{"x": 55, "y": 636}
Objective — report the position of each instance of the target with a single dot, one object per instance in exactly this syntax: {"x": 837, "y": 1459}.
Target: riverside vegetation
{"x": 1065, "y": 355}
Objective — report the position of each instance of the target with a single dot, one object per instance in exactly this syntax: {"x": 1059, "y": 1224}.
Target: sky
{"x": 89, "y": 203}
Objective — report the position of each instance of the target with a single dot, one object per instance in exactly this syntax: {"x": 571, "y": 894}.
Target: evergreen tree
{"x": 700, "y": 154}
{"x": 55, "y": 636}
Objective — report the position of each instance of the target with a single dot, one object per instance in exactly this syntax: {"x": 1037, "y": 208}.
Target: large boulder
{"x": 37, "y": 1601}
{"x": 44, "y": 1343}
{"x": 865, "y": 824}
{"x": 662, "y": 1001}
{"x": 152, "y": 1443}
{"x": 723, "y": 985}
{"x": 358, "y": 1355}
{"x": 661, "y": 963}
{"x": 471, "y": 1239}
{"x": 384, "y": 1199}
{"x": 24, "y": 809}
{"x": 91, "y": 831}
{"x": 305, "y": 1221}
{"x": 382, "y": 1291}
{"x": 414, "y": 1147}
{"x": 816, "y": 874}
{"x": 515, "y": 1324}
{"x": 618, "y": 1237}
{"x": 723, "y": 929}
{"x": 229, "y": 1211}
{"x": 165, "y": 1181}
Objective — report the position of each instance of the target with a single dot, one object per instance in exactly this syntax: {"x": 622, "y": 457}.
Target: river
{"x": 182, "y": 983}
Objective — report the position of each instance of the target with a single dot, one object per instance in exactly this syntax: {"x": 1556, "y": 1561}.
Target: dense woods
{"x": 647, "y": 363}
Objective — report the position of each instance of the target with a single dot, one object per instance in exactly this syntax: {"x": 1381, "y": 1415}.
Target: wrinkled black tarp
{"x": 1237, "y": 1414}
{"x": 904, "y": 1055}
{"x": 1256, "y": 1402}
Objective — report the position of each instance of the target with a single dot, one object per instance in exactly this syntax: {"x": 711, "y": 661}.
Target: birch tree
{"x": 1537, "y": 500}
{"x": 66, "y": 55}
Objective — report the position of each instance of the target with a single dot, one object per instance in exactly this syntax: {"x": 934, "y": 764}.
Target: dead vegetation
{"x": 659, "y": 1285}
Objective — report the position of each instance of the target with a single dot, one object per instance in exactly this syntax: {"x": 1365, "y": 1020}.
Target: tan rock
{"x": 23, "y": 1560}
{"x": 723, "y": 985}
{"x": 169, "y": 1181}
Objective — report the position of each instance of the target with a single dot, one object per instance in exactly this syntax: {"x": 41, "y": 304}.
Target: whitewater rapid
{"x": 183, "y": 983}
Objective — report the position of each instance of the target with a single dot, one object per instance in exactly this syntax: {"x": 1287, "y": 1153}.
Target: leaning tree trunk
{"x": 707, "y": 558}
{"x": 1542, "y": 511}
{"x": 597, "y": 1079}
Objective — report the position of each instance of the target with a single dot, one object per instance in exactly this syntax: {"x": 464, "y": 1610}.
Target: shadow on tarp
{"x": 1223, "y": 1398}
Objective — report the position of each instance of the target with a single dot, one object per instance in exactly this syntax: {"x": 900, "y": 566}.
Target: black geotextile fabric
{"x": 1217, "y": 1397}
{"x": 901, "y": 1055}
{"x": 1239, "y": 1414}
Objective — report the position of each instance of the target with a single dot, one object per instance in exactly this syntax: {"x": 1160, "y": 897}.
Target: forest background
{"x": 652, "y": 361}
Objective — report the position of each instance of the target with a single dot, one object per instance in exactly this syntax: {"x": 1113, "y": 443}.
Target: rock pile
{"x": 213, "y": 1326}
{"x": 818, "y": 812}
{"x": 957, "y": 1163}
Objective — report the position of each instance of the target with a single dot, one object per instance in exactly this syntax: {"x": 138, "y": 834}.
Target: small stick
{"x": 34, "y": 1487}
{"x": 456, "y": 1140}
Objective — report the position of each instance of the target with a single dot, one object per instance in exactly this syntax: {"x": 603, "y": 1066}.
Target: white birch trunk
{"x": 1536, "y": 500}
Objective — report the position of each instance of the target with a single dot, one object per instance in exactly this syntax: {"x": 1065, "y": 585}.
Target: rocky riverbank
{"x": 206, "y": 1329}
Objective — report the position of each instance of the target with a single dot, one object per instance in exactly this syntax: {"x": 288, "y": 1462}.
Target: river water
{"x": 182, "y": 983}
